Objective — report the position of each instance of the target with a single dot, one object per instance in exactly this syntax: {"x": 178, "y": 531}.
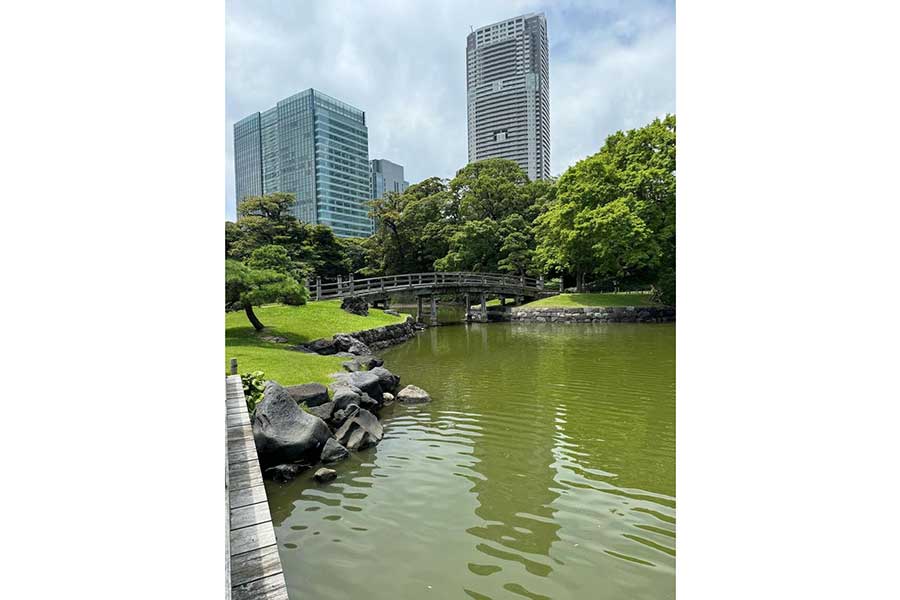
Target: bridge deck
{"x": 255, "y": 567}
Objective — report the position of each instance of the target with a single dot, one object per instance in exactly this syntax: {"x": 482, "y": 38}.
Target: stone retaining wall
{"x": 382, "y": 337}
{"x": 618, "y": 314}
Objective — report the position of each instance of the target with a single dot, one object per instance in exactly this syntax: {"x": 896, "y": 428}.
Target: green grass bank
{"x": 592, "y": 299}
{"x": 298, "y": 324}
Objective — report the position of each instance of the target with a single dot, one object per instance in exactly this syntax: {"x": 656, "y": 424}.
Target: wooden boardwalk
{"x": 252, "y": 567}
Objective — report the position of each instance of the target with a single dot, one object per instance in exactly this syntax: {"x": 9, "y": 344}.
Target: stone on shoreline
{"x": 284, "y": 473}
{"x": 360, "y": 430}
{"x": 312, "y": 394}
{"x": 325, "y": 474}
{"x": 333, "y": 451}
{"x": 283, "y": 432}
{"x": 412, "y": 394}
{"x": 386, "y": 379}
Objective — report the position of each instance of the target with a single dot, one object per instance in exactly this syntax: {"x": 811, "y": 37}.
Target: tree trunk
{"x": 253, "y": 320}
{"x": 579, "y": 281}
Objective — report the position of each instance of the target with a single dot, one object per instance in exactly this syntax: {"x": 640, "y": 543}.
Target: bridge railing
{"x": 321, "y": 289}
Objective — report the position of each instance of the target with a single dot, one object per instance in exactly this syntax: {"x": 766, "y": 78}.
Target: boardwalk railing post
{"x": 351, "y": 284}
{"x": 234, "y": 366}
{"x": 541, "y": 282}
{"x": 339, "y": 287}
{"x": 318, "y": 288}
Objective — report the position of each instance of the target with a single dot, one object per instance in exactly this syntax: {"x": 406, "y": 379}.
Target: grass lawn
{"x": 298, "y": 324}
{"x": 578, "y": 300}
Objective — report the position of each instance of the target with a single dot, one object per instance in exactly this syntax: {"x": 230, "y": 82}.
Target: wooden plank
{"x": 244, "y": 474}
{"x": 236, "y": 434}
{"x": 252, "y": 538}
{"x": 242, "y": 454}
{"x": 246, "y": 496}
{"x": 267, "y": 588}
{"x": 255, "y": 564}
{"x": 232, "y": 419}
{"x": 250, "y": 515}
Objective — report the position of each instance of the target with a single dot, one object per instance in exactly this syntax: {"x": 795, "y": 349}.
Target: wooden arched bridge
{"x": 428, "y": 285}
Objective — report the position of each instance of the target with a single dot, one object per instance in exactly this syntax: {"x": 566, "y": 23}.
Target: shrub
{"x": 254, "y": 384}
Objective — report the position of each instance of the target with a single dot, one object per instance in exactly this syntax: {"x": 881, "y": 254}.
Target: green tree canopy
{"x": 253, "y": 287}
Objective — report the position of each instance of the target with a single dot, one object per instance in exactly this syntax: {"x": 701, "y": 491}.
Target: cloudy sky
{"x": 612, "y": 66}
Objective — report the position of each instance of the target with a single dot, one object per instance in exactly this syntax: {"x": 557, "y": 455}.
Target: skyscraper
{"x": 315, "y": 147}
{"x": 508, "y": 84}
{"x": 387, "y": 177}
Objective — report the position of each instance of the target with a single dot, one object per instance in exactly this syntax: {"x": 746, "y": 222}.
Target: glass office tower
{"x": 315, "y": 147}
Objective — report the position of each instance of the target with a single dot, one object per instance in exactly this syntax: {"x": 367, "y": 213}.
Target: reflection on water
{"x": 544, "y": 468}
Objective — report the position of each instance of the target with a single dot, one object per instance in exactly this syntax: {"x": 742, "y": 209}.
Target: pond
{"x": 544, "y": 468}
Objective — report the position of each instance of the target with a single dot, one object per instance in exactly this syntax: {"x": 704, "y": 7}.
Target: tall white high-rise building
{"x": 508, "y": 84}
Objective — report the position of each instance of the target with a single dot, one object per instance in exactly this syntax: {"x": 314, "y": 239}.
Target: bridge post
{"x": 434, "y": 320}
{"x": 519, "y": 300}
{"x": 339, "y": 292}
{"x": 351, "y": 284}
{"x": 502, "y": 300}
{"x": 541, "y": 282}
{"x": 483, "y": 308}
{"x": 468, "y": 309}
{"x": 419, "y": 309}
{"x": 318, "y": 288}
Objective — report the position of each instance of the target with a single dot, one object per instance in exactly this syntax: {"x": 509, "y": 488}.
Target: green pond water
{"x": 544, "y": 468}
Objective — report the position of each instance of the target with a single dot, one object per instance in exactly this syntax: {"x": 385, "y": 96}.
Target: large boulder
{"x": 312, "y": 394}
{"x": 333, "y": 451}
{"x": 360, "y": 430}
{"x": 323, "y": 411}
{"x": 347, "y": 343}
{"x": 283, "y": 432}
{"x": 344, "y": 396}
{"x": 366, "y": 381}
{"x": 386, "y": 379}
{"x": 413, "y": 395}
{"x": 356, "y": 306}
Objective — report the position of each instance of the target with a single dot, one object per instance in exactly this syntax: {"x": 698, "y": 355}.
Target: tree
{"x": 493, "y": 188}
{"x": 475, "y": 246}
{"x": 518, "y": 245}
{"x": 272, "y": 257}
{"x": 613, "y": 214}
{"x": 253, "y": 287}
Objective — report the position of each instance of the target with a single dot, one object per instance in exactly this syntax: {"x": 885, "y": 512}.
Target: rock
{"x": 413, "y": 395}
{"x": 369, "y": 403}
{"x": 369, "y": 362}
{"x": 345, "y": 355}
{"x": 283, "y": 432}
{"x": 356, "y": 306}
{"x": 388, "y": 398}
{"x": 312, "y": 394}
{"x": 324, "y": 474}
{"x": 360, "y": 430}
{"x": 344, "y": 396}
{"x": 275, "y": 339}
{"x": 351, "y": 366}
{"x": 389, "y": 311}
{"x": 366, "y": 381}
{"x": 333, "y": 451}
{"x": 322, "y": 346}
{"x": 340, "y": 416}
{"x": 386, "y": 379}
{"x": 284, "y": 473}
{"x": 323, "y": 411}
{"x": 350, "y": 344}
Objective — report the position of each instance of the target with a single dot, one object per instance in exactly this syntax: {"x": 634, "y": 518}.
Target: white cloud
{"x": 612, "y": 65}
